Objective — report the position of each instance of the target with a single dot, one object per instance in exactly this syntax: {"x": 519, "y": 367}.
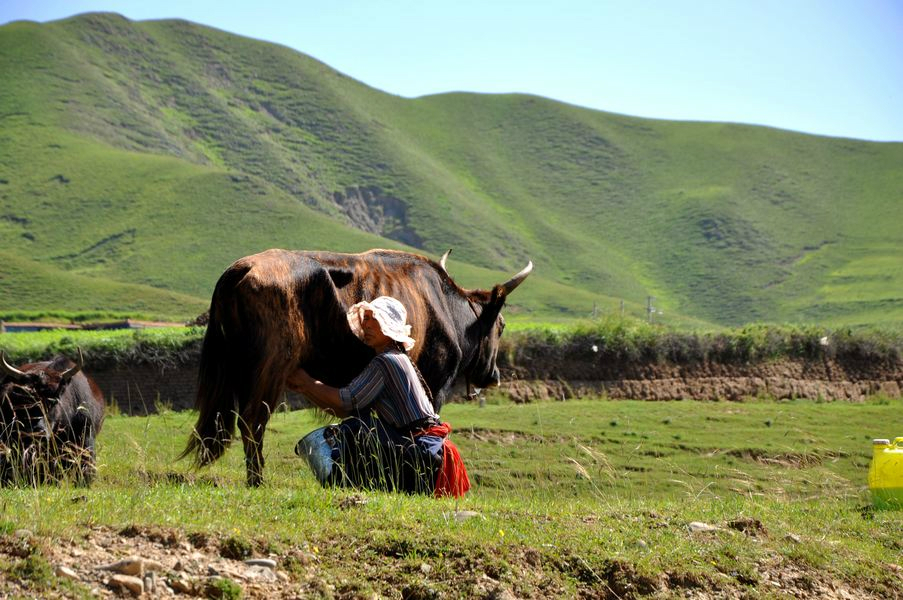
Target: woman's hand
{"x": 301, "y": 381}
{"x": 324, "y": 396}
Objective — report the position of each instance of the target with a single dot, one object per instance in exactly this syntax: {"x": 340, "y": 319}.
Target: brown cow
{"x": 279, "y": 310}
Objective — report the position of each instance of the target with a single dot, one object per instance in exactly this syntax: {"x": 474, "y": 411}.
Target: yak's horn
{"x": 9, "y": 370}
{"x": 443, "y": 259}
{"x": 510, "y": 285}
{"x": 69, "y": 374}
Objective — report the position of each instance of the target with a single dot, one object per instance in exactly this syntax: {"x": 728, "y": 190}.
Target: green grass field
{"x": 139, "y": 159}
{"x": 589, "y": 497}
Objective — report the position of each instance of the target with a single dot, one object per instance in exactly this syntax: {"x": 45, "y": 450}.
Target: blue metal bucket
{"x": 316, "y": 448}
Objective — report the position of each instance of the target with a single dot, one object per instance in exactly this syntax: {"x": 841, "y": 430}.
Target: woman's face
{"x": 373, "y": 334}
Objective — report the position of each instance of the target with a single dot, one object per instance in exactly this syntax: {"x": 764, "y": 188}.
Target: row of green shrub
{"x": 165, "y": 346}
{"x": 631, "y": 340}
{"x": 612, "y": 338}
{"x": 65, "y": 316}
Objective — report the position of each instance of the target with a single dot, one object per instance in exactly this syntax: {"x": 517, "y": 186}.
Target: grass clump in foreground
{"x": 564, "y": 503}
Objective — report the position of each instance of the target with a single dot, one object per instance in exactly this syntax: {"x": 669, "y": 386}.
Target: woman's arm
{"x": 324, "y": 396}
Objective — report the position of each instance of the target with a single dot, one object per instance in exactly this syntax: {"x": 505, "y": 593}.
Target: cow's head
{"x": 29, "y": 397}
{"x": 482, "y": 371}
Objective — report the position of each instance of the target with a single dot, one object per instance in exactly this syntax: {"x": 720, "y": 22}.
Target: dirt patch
{"x": 500, "y": 437}
{"x": 793, "y": 460}
{"x": 174, "y": 477}
{"x": 782, "y": 577}
{"x": 161, "y": 562}
{"x": 748, "y": 525}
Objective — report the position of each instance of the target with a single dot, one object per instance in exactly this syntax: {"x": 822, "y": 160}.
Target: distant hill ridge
{"x": 138, "y": 159}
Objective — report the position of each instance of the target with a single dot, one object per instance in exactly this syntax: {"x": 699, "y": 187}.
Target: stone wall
{"x": 141, "y": 389}
{"x": 828, "y": 379}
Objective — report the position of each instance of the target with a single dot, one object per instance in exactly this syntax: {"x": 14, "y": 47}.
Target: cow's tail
{"x": 216, "y": 399}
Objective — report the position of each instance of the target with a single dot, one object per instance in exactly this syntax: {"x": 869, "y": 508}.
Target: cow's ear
{"x": 499, "y": 296}
{"x": 492, "y": 308}
{"x": 64, "y": 383}
{"x": 340, "y": 277}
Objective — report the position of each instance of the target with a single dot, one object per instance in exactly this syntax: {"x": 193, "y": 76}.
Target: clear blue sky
{"x": 829, "y": 67}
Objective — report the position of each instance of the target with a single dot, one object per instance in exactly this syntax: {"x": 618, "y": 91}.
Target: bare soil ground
{"x": 154, "y": 562}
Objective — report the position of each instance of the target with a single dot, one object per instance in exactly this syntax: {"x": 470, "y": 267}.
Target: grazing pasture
{"x": 592, "y": 497}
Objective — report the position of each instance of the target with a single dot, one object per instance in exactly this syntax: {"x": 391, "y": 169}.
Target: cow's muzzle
{"x": 493, "y": 379}
{"x": 40, "y": 429}
{"x": 31, "y": 429}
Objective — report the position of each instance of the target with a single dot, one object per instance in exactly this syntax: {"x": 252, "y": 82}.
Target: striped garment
{"x": 390, "y": 385}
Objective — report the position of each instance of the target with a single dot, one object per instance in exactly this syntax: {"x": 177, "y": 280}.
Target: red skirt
{"x": 452, "y": 479}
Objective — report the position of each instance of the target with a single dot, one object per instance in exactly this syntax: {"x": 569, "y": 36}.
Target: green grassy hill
{"x": 138, "y": 159}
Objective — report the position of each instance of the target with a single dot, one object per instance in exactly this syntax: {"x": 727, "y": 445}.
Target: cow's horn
{"x": 69, "y": 374}
{"x": 510, "y": 285}
{"x": 443, "y": 259}
{"x": 9, "y": 370}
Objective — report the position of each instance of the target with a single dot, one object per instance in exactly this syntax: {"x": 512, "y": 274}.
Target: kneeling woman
{"x": 394, "y": 440}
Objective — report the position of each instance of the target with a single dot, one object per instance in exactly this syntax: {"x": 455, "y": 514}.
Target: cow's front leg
{"x": 86, "y": 468}
{"x": 80, "y": 455}
{"x": 33, "y": 465}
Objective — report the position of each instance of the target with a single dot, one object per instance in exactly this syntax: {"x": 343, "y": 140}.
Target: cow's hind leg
{"x": 271, "y": 347}
{"x": 255, "y": 414}
{"x": 252, "y": 424}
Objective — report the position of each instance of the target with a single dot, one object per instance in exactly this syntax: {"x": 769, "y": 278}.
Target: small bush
{"x": 221, "y": 588}
{"x": 35, "y": 569}
{"x": 235, "y": 548}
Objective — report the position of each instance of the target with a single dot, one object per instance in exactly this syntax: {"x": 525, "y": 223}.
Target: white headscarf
{"x": 391, "y": 316}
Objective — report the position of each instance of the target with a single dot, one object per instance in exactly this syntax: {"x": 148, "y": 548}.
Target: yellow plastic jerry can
{"x": 886, "y": 473}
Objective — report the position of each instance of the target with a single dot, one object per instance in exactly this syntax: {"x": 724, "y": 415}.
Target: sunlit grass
{"x": 594, "y": 479}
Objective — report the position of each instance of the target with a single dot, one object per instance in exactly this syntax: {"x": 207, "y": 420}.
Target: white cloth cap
{"x": 391, "y": 316}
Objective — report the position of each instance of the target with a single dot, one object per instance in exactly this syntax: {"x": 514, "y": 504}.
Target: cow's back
{"x": 285, "y": 310}
{"x": 425, "y": 291}
{"x": 300, "y": 298}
